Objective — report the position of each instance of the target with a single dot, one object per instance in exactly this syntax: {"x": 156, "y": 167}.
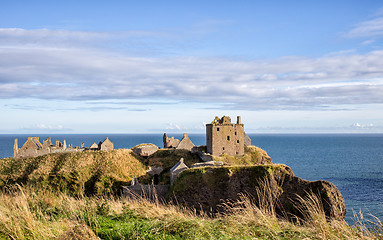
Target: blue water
{"x": 354, "y": 163}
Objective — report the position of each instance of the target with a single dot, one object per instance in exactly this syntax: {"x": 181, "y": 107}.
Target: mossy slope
{"x": 253, "y": 156}
{"x": 89, "y": 172}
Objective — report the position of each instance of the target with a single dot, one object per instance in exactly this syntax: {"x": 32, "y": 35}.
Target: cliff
{"x": 210, "y": 188}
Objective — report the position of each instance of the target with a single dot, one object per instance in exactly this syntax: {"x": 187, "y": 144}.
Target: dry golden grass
{"x": 43, "y": 214}
{"x": 82, "y": 172}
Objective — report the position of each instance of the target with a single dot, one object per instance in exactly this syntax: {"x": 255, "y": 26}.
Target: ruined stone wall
{"x": 32, "y": 147}
{"x": 170, "y": 142}
{"x": 106, "y": 145}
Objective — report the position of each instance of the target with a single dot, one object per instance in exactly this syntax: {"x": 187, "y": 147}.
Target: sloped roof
{"x": 185, "y": 143}
{"x": 93, "y": 146}
{"x": 37, "y": 142}
{"x": 106, "y": 140}
{"x": 32, "y": 142}
{"x": 179, "y": 165}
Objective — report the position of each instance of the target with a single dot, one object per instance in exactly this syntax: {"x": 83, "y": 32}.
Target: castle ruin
{"x": 33, "y": 147}
{"x": 172, "y": 142}
{"x": 224, "y": 137}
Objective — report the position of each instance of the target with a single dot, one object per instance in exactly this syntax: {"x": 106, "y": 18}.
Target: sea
{"x": 353, "y": 162}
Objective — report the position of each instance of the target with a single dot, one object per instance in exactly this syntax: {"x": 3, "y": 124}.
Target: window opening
{"x": 156, "y": 179}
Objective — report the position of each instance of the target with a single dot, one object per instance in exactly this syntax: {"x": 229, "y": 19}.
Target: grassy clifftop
{"x": 100, "y": 172}
{"x": 253, "y": 156}
{"x": 89, "y": 172}
{"x": 207, "y": 187}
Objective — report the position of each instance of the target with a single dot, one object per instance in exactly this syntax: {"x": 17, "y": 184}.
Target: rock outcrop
{"x": 206, "y": 188}
{"x": 145, "y": 150}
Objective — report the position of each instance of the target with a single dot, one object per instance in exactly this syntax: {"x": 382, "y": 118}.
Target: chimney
{"x": 238, "y": 119}
{"x": 64, "y": 144}
{"x": 15, "y": 148}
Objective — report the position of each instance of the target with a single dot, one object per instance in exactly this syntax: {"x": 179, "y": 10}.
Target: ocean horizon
{"x": 353, "y": 162}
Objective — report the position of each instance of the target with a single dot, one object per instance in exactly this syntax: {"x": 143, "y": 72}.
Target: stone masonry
{"x": 172, "y": 142}
{"x": 224, "y": 137}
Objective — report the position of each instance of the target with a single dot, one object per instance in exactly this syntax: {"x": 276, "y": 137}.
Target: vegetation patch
{"x": 253, "y": 156}
{"x": 28, "y": 213}
{"x": 167, "y": 158}
{"x": 89, "y": 172}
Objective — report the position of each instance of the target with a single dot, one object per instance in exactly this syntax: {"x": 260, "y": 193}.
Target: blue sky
{"x": 172, "y": 66}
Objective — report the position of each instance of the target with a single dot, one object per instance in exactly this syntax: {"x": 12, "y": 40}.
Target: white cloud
{"x": 55, "y": 71}
{"x": 370, "y": 28}
{"x": 173, "y": 126}
{"x": 363, "y": 126}
{"x": 41, "y": 127}
{"x": 368, "y": 42}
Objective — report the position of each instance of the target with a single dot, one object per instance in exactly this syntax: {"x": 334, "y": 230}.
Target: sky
{"x": 172, "y": 66}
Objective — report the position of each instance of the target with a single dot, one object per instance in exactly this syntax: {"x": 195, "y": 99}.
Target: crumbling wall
{"x": 170, "y": 142}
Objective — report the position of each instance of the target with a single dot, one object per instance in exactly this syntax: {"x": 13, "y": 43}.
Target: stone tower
{"x": 224, "y": 137}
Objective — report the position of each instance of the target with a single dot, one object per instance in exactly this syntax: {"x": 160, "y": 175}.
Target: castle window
{"x": 217, "y": 129}
{"x": 228, "y": 138}
{"x": 223, "y": 148}
{"x": 235, "y": 133}
{"x": 237, "y": 141}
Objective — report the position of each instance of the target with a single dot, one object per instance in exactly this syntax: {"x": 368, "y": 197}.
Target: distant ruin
{"x": 33, "y": 147}
{"x": 172, "y": 142}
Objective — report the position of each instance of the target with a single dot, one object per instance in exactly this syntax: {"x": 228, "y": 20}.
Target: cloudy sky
{"x": 171, "y": 66}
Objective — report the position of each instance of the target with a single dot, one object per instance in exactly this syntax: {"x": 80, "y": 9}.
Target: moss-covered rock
{"x": 272, "y": 185}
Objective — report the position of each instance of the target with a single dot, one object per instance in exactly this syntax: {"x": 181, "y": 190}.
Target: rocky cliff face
{"x": 206, "y": 188}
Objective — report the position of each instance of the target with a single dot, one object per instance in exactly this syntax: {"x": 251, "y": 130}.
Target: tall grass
{"x": 27, "y": 213}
